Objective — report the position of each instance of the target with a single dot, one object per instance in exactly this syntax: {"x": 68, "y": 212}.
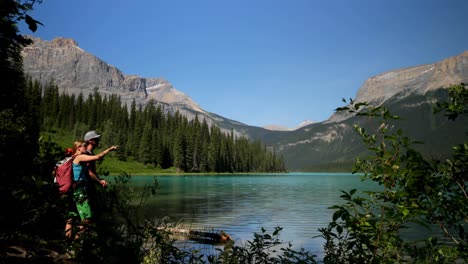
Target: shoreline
{"x": 196, "y": 173}
{"x": 176, "y": 174}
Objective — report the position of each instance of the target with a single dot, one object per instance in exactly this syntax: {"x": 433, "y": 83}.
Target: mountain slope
{"x": 416, "y": 80}
{"x": 75, "y": 71}
{"x": 327, "y": 145}
{"x": 409, "y": 93}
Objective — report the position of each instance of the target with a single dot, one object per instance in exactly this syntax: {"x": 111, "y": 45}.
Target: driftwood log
{"x": 209, "y": 236}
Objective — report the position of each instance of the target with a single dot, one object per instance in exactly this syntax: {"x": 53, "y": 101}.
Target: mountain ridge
{"x": 410, "y": 80}
{"x": 428, "y": 76}
{"x": 275, "y": 127}
{"x": 313, "y": 145}
{"x": 75, "y": 71}
{"x": 90, "y": 72}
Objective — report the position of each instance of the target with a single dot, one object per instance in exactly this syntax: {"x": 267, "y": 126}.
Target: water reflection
{"x": 241, "y": 205}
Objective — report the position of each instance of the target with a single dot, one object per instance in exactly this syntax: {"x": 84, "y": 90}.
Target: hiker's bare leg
{"x": 68, "y": 228}
{"x": 82, "y": 227}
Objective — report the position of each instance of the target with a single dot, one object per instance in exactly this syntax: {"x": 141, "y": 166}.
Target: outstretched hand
{"x": 113, "y": 147}
{"x": 103, "y": 183}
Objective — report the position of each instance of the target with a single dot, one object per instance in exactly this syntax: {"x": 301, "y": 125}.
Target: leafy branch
{"x": 415, "y": 191}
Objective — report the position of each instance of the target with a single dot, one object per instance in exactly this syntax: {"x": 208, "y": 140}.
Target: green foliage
{"x": 457, "y": 104}
{"x": 18, "y": 127}
{"x": 116, "y": 235}
{"x": 415, "y": 191}
{"x": 35, "y": 215}
{"x": 264, "y": 248}
{"x": 365, "y": 229}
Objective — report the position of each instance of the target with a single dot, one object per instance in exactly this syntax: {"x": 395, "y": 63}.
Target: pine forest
{"x": 150, "y": 135}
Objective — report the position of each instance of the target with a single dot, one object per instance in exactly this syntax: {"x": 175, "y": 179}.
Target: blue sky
{"x": 261, "y": 62}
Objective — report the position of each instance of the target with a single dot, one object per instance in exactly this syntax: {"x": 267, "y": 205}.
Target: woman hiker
{"x": 81, "y": 178}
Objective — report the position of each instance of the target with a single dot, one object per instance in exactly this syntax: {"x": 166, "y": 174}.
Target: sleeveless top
{"x": 80, "y": 172}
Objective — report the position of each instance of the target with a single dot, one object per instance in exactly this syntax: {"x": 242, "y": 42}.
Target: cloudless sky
{"x": 261, "y": 62}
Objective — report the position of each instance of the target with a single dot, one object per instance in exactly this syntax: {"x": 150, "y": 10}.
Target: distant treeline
{"x": 151, "y": 136}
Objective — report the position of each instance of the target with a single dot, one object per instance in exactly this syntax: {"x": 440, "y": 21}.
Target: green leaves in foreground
{"x": 414, "y": 192}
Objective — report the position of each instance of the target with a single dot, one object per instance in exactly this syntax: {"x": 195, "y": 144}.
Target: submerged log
{"x": 210, "y": 237}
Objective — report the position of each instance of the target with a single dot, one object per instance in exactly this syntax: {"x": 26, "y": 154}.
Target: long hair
{"x": 77, "y": 144}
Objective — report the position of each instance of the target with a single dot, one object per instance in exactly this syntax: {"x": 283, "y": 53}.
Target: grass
{"x": 62, "y": 138}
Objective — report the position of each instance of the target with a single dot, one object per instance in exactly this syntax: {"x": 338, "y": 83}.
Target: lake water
{"x": 243, "y": 204}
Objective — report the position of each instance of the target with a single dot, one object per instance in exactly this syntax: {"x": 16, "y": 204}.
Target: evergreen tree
{"x": 179, "y": 150}
{"x": 137, "y": 132}
{"x": 204, "y": 143}
{"x": 156, "y": 153}
{"x": 146, "y": 151}
{"x": 19, "y": 132}
{"x": 80, "y": 109}
{"x": 196, "y": 145}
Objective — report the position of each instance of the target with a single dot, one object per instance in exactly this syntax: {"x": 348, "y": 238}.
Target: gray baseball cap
{"x": 91, "y": 135}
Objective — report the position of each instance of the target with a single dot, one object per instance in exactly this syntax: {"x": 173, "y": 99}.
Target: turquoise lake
{"x": 243, "y": 204}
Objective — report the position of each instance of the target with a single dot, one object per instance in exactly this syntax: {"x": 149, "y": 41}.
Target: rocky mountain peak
{"x": 75, "y": 71}
{"x": 304, "y": 124}
{"x": 60, "y": 42}
{"x": 453, "y": 70}
{"x": 411, "y": 80}
{"x": 418, "y": 79}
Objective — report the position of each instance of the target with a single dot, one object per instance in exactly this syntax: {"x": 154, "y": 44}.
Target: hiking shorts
{"x": 80, "y": 197}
